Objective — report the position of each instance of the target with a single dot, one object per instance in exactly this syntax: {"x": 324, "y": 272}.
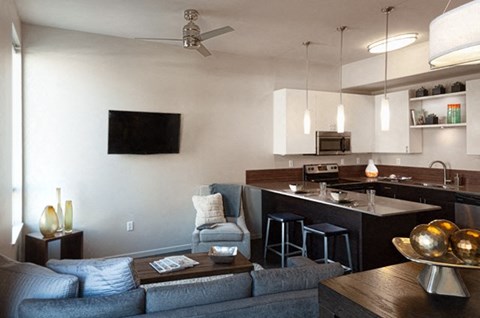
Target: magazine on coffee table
{"x": 173, "y": 263}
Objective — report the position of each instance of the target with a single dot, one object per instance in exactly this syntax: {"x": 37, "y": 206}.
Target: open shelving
{"x": 437, "y": 104}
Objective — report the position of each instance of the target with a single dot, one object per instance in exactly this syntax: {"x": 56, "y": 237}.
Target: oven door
{"x": 332, "y": 143}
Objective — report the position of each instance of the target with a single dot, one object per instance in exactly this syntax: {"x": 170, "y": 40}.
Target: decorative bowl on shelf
{"x": 338, "y": 195}
{"x": 295, "y": 187}
{"x": 222, "y": 254}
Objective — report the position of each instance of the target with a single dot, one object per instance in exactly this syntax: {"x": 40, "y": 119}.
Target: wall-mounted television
{"x": 143, "y": 132}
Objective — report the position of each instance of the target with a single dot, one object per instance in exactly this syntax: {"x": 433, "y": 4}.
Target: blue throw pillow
{"x": 99, "y": 277}
{"x": 19, "y": 281}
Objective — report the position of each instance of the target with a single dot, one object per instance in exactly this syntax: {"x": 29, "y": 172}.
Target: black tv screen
{"x": 143, "y": 132}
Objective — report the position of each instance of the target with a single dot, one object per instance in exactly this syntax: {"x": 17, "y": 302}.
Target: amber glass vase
{"x": 48, "y": 222}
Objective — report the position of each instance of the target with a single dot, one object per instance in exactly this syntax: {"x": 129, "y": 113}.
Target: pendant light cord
{"x": 446, "y": 7}
{"x": 307, "y": 66}
{"x": 341, "y": 29}
{"x": 387, "y": 11}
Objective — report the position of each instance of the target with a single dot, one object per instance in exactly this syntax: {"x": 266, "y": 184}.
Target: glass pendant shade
{"x": 455, "y": 37}
{"x": 307, "y": 122}
{"x": 385, "y": 114}
{"x": 340, "y": 119}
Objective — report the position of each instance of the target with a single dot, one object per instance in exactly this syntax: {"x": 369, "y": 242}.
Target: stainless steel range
{"x": 322, "y": 172}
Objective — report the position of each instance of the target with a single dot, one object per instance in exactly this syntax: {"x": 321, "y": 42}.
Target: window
{"x": 17, "y": 138}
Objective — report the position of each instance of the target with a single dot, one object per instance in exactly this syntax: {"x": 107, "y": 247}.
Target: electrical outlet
{"x": 129, "y": 226}
{"x": 358, "y": 161}
{"x": 398, "y": 162}
{"x": 342, "y": 162}
{"x": 290, "y": 163}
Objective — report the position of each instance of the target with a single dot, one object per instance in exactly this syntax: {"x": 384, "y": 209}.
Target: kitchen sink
{"x": 435, "y": 185}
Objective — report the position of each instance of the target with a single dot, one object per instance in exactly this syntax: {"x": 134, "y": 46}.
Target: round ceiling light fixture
{"x": 394, "y": 43}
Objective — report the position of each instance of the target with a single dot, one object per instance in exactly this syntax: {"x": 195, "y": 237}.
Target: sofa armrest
{"x": 121, "y": 305}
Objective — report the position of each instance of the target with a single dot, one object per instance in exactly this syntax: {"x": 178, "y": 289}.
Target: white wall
{"x": 8, "y": 15}
{"x": 73, "y": 79}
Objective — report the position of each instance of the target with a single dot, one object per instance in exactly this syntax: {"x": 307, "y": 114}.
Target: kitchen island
{"x": 371, "y": 227}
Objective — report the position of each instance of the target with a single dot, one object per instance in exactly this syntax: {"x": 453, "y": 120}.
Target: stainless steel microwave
{"x": 332, "y": 143}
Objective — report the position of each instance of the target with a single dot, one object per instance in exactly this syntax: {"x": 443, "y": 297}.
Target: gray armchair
{"x": 234, "y": 232}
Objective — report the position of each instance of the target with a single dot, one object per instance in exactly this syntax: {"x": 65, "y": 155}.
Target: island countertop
{"x": 383, "y": 206}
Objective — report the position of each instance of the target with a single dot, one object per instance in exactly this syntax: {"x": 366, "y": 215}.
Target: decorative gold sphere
{"x": 429, "y": 240}
{"x": 447, "y": 226}
{"x": 466, "y": 245}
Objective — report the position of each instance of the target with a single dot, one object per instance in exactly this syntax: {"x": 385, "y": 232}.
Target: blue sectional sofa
{"x": 282, "y": 292}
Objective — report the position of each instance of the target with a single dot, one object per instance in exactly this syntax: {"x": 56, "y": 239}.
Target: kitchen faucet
{"x": 444, "y": 170}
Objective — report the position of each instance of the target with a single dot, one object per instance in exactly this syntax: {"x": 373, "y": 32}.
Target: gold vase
{"x": 48, "y": 222}
{"x": 68, "y": 216}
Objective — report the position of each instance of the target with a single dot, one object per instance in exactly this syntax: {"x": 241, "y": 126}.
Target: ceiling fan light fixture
{"x": 394, "y": 43}
{"x": 455, "y": 37}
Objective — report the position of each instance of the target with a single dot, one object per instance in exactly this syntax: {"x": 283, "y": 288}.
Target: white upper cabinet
{"x": 400, "y": 138}
{"x": 288, "y": 137}
{"x": 473, "y": 116}
{"x": 359, "y": 119}
{"x": 288, "y": 110}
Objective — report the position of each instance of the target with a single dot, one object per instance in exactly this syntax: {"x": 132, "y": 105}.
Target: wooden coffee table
{"x": 207, "y": 267}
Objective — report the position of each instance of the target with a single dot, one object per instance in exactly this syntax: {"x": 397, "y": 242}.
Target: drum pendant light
{"x": 307, "y": 120}
{"x": 455, "y": 37}
{"x": 340, "y": 107}
{"x": 385, "y": 106}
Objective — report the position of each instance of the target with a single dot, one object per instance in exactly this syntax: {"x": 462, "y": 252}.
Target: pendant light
{"x": 307, "y": 120}
{"x": 455, "y": 37}
{"x": 385, "y": 106}
{"x": 340, "y": 107}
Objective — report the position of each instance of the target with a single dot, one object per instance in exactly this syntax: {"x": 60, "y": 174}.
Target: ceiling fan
{"x": 192, "y": 38}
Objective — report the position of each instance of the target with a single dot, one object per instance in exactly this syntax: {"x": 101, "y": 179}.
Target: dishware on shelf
{"x": 440, "y": 275}
{"x": 338, "y": 195}
{"x": 222, "y": 254}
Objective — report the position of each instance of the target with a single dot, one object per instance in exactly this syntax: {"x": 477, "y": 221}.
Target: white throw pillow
{"x": 209, "y": 209}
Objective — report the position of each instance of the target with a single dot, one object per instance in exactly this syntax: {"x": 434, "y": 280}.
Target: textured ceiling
{"x": 263, "y": 28}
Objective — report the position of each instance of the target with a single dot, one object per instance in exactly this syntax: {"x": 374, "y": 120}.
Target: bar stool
{"x": 328, "y": 230}
{"x": 285, "y": 218}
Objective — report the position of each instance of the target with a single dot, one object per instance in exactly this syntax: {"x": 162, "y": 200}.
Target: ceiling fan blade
{"x": 158, "y": 39}
{"x": 216, "y": 32}
{"x": 203, "y": 50}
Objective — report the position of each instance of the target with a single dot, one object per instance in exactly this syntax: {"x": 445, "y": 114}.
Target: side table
{"x": 36, "y": 246}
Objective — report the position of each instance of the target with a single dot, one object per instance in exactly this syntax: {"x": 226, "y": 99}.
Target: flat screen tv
{"x": 143, "y": 132}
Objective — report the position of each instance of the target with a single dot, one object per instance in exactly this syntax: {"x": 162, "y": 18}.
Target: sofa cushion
{"x": 294, "y": 304}
{"x": 209, "y": 209}
{"x": 279, "y": 280}
{"x": 222, "y": 232}
{"x": 19, "y": 281}
{"x": 99, "y": 277}
{"x": 200, "y": 293}
{"x": 121, "y": 305}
